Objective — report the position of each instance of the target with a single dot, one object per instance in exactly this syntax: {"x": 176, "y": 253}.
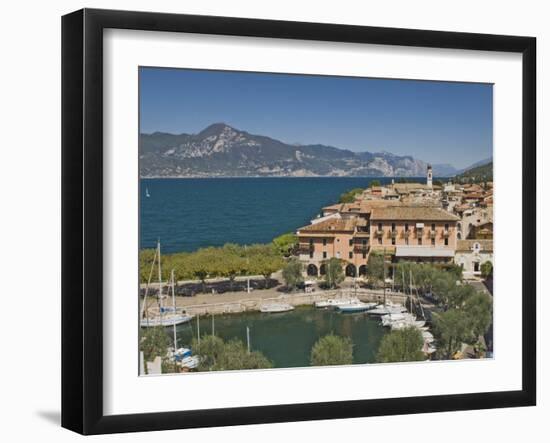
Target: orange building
{"x": 350, "y": 231}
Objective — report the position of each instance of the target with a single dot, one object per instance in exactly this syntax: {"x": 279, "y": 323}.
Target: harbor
{"x": 286, "y": 338}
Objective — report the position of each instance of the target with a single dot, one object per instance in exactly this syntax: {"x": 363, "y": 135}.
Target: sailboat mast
{"x": 198, "y": 330}
{"x": 403, "y": 281}
{"x": 174, "y": 307}
{"x": 410, "y": 289}
{"x": 248, "y": 339}
{"x": 160, "y": 282}
{"x": 384, "y": 274}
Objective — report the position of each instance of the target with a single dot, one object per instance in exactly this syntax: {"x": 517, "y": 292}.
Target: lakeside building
{"x": 471, "y": 254}
{"x": 407, "y": 222}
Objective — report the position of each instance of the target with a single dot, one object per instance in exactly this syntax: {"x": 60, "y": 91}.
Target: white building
{"x": 471, "y": 254}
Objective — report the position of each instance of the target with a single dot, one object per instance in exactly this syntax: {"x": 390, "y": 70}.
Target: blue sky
{"x": 438, "y": 122}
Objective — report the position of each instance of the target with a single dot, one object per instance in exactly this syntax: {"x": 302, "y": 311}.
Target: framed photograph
{"x": 269, "y": 221}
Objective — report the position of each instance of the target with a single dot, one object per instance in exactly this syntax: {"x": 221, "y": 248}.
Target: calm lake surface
{"x": 187, "y": 214}
{"x": 287, "y": 338}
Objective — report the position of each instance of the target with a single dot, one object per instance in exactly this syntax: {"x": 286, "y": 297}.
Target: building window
{"x": 311, "y": 254}
{"x": 406, "y": 240}
{"x": 446, "y": 242}
{"x": 364, "y": 254}
{"x": 433, "y": 241}
{"x": 446, "y": 226}
{"x": 379, "y": 240}
{"x": 433, "y": 226}
{"x": 419, "y": 240}
{"x": 393, "y": 226}
{"x": 324, "y": 242}
{"x": 351, "y": 242}
{"x": 379, "y": 226}
{"x": 406, "y": 226}
{"x": 324, "y": 254}
{"x": 350, "y": 254}
{"x": 364, "y": 241}
{"x": 310, "y": 242}
{"x": 393, "y": 240}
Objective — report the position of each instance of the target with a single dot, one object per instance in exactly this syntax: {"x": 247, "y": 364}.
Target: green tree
{"x": 292, "y": 273}
{"x": 231, "y": 266}
{"x": 452, "y": 328}
{"x": 332, "y": 350}
{"x": 375, "y": 268}
{"x": 286, "y": 243}
{"x": 333, "y": 273}
{"x": 349, "y": 196}
{"x": 266, "y": 265}
{"x": 374, "y": 183}
{"x": 146, "y": 257}
{"x": 217, "y": 355}
{"x": 153, "y": 342}
{"x": 479, "y": 310}
{"x": 400, "y": 346}
{"x": 487, "y": 270}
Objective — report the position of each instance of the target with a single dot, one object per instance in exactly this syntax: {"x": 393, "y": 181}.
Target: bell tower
{"x": 429, "y": 176}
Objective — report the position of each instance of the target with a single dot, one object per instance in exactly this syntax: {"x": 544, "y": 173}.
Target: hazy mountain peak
{"x": 220, "y": 150}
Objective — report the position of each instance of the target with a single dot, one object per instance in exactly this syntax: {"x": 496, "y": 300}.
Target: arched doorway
{"x": 351, "y": 270}
{"x": 323, "y": 269}
{"x": 312, "y": 270}
{"x": 362, "y": 270}
{"x": 459, "y": 236}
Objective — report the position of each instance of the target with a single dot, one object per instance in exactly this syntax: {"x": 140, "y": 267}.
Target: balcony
{"x": 446, "y": 233}
{"x": 419, "y": 233}
{"x": 394, "y": 234}
{"x": 360, "y": 249}
{"x": 379, "y": 233}
{"x": 406, "y": 233}
{"x": 304, "y": 250}
{"x": 432, "y": 234}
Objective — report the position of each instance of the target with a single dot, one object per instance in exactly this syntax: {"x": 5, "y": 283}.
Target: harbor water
{"x": 287, "y": 338}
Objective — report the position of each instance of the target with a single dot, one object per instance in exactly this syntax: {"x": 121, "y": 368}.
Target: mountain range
{"x": 223, "y": 151}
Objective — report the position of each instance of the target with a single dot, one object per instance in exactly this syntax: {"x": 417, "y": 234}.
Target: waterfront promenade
{"x": 239, "y": 301}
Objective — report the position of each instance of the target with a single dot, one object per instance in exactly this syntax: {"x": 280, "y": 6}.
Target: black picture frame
{"x": 82, "y": 218}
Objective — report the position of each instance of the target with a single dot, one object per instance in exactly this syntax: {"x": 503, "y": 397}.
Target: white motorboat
{"x": 276, "y": 307}
{"x": 358, "y": 306}
{"x": 387, "y": 309}
{"x": 335, "y": 302}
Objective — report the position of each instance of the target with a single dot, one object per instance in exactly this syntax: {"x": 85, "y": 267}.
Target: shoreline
{"x": 237, "y": 302}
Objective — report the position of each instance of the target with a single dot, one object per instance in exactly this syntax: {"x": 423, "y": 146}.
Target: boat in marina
{"x": 161, "y": 315}
{"x": 336, "y": 302}
{"x": 358, "y": 306}
{"x": 190, "y": 362}
{"x": 276, "y": 307}
{"x": 389, "y": 308}
{"x": 165, "y": 320}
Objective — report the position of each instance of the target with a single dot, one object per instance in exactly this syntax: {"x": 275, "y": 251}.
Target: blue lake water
{"x": 187, "y": 214}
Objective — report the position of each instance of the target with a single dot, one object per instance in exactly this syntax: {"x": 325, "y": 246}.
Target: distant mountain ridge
{"x": 223, "y": 151}
{"x": 477, "y": 173}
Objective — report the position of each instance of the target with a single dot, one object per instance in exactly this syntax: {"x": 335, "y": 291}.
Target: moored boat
{"x": 276, "y": 307}
{"x": 356, "y": 307}
{"x": 335, "y": 302}
{"x": 172, "y": 319}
